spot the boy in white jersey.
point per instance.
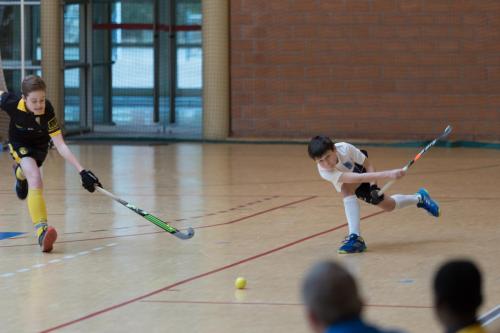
(353, 175)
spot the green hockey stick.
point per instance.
(151, 218)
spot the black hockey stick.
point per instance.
(151, 218)
(445, 133)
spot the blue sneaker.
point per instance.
(352, 244)
(426, 202)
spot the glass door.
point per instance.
(74, 65)
(123, 66)
(20, 41)
(146, 66)
(188, 55)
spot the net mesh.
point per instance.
(143, 58)
(148, 68)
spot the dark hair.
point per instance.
(319, 145)
(457, 286)
(32, 83)
(329, 292)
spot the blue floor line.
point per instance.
(6, 235)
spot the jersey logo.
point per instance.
(23, 150)
(53, 125)
(37, 119)
(24, 128)
(348, 165)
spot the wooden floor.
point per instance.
(260, 211)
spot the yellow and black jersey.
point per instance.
(25, 127)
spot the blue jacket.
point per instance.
(354, 326)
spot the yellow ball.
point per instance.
(240, 283)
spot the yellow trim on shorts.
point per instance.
(55, 133)
(14, 155)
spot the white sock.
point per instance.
(405, 200)
(351, 206)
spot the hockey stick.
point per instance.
(151, 218)
(445, 133)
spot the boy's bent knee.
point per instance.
(348, 189)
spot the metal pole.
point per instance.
(156, 62)
(23, 46)
(89, 65)
(172, 60)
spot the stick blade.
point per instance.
(184, 235)
(447, 131)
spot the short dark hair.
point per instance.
(457, 286)
(329, 292)
(319, 145)
(32, 83)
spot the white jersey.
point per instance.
(347, 155)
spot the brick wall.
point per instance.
(367, 69)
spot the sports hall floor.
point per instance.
(260, 211)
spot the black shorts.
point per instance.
(20, 150)
(363, 191)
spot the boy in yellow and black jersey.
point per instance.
(29, 134)
(32, 125)
(26, 127)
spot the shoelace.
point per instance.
(347, 239)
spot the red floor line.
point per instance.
(157, 232)
(256, 214)
(281, 304)
(196, 277)
(176, 220)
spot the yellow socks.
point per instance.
(37, 209)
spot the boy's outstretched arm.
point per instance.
(371, 177)
(369, 167)
(65, 152)
(89, 180)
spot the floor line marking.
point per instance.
(199, 276)
(280, 304)
(490, 316)
(8, 274)
(256, 214)
(161, 231)
(54, 261)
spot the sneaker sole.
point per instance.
(16, 186)
(346, 252)
(49, 239)
(18, 189)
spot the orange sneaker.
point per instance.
(47, 239)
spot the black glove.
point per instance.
(89, 180)
(376, 199)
